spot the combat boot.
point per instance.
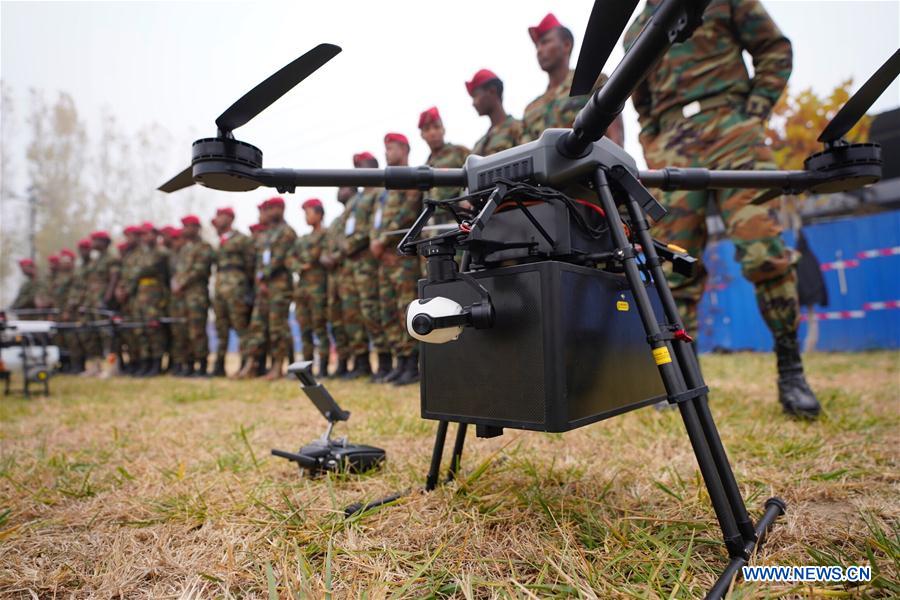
(794, 392)
(384, 367)
(92, 368)
(188, 370)
(361, 367)
(323, 367)
(247, 370)
(139, 367)
(176, 370)
(200, 371)
(275, 373)
(410, 374)
(342, 369)
(154, 369)
(219, 368)
(261, 366)
(396, 371)
(78, 366)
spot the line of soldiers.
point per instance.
(699, 107)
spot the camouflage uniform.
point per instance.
(726, 133)
(272, 305)
(128, 282)
(344, 310)
(149, 301)
(257, 342)
(311, 293)
(554, 108)
(450, 156)
(178, 338)
(69, 311)
(192, 277)
(504, 136)
(100, 272)
(396, 209)
(364, 266)
(233, 299)
(28, 292)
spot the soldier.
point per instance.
(70, 312)
(343, 305)
(178, 338)
(555, 108)
(126, 291)
(152, 271)
(257, 331)
(505, 132)
(274, 287)
(102, 278)
(700, 108)
(28, 291)
(443, 155)
(311, 293)
(397, 275)
(364, 272)
(191, 285)
(232, 302)
(62, 283)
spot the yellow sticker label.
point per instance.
(661, 355)
(622, 305)
(675, 248)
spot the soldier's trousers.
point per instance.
(365, 285)
(257, 342)
(178, 350)
(725, 139)
(150, 305)
(336, 316)
(273, 312)
(397, 285)
(92, 341)
(196, 313)
(311, 311)
(357, 341)
(231, 304)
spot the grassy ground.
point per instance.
(165, 488)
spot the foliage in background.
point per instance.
(798, 119)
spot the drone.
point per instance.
(25, 344)
(558, 312)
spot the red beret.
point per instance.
(312, 202)
(66, 252)
(147, 227)
(53, 259)
(84, 243)
(176, 232)
(262, 204)
(190, 220)
(396, 137)
(122, 246)
(257, 227)
(26, 262)
(479, 79)
(100, 235)
(131, 230)
(227, 210)
(361, 156)
(547, 23)
(429, 115)
(276, 201)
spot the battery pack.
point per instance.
(567, 348)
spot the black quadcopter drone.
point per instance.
(559, 312)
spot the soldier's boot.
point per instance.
(175, 369)
(78, 367)
(188, 370)
(794, 392)
(342, 369)
(323, 367)
(275, 373)
(261, 366)
(396, 371)
(154, 368)
(410, 374)
(219, 367)
(361, 367)
(92, 367)
(138, 367)
(200, 371)
(384, 367)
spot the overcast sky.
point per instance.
(180, 64)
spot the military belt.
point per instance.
(686, 111)
(145, 281)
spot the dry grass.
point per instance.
(165, 488)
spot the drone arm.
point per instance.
(672, 178)
(394, 178)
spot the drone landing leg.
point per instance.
(684, 385)
(456, 457)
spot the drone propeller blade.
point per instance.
(862, 100)
(179, 182)
(608, 19)
(767, 195)
(263, 95)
